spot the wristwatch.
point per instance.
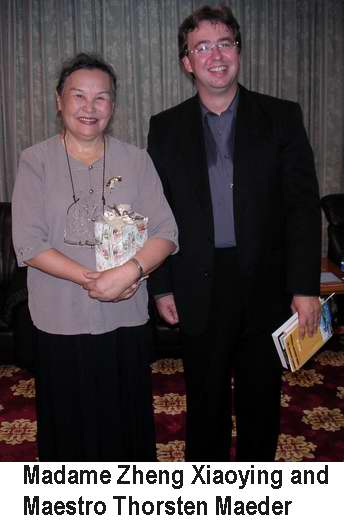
(139, 267)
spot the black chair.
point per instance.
(333, 207)
(16, 329)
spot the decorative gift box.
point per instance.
(119, 234)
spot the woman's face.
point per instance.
(86, 103)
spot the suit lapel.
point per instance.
(193, 152)
(251, 132)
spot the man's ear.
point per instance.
(187, 64)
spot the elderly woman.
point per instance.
(93, 389)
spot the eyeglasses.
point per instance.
(203, 49)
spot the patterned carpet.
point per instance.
(312, 401)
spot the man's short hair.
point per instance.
(220, 14)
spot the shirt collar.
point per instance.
(231, 108)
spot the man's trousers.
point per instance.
(231, 369)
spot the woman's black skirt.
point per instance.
(94, 397)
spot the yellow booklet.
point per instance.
(293, 351)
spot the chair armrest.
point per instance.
(16, 294)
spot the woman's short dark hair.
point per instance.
(86, 61)
(219, 14)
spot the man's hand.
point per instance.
(309, 310)
(167, 309)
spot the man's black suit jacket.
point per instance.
(276, 208)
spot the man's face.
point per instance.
(215, 72)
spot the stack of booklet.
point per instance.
(294, 351)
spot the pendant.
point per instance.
(113, 180)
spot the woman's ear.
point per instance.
(58, 102)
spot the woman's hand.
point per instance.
(122, 282)
(58, 265)
(114, 284)
(128, 293)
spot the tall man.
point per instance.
(238, 172)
